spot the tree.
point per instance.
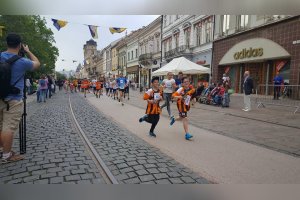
(39, 38)
(60, 76)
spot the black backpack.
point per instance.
(5, 77)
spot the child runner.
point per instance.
(122, 82)
(115, 87)
(153, 97)
(111, 87)
(183, 96)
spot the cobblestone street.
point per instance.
(56, 153)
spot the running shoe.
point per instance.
(142, 118)
(188, 136)
(172, 120)
(152, 134)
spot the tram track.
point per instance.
(100, 164)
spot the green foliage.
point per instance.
(60, 76)
(36, 35)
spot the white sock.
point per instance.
(6, 155)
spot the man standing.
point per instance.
(278, 81)
(248, 87)
(168, 86)
(11, 106)
(178, 80)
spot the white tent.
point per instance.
(183, 65)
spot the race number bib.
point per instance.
(187, 100)
(168, 84)
(156, 96)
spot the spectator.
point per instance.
(43, 85)
(168, 87)
(248, 87)
(277, 81)
(178, 80)
(49, 85)
(12, 105)
(28, 86)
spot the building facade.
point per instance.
(149, 49)
(188, 36)
(122, 56)
(132, 69)
(261, 44)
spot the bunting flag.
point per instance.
(93, 30)
(1, 30)
(116, 30)
(59, 23)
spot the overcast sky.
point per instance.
(71, 38)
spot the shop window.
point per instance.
(285, 72)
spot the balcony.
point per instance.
(183, 50)
(145, 59)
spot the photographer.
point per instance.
(11, 105)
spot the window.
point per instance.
(198, 35)
(145, 48)
(207, 31)
(165, 47)
(128, 55)
(177, 40)
(187, 33)
(165, 20)
(131, 55)
(170, 44)
(243, 21)
(225, 24)
(177, 17)
(170, 19)
(157, 45)
(136, 53)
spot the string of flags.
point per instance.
(92, 28)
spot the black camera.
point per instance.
(22, 51)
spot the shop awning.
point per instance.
(252, 50)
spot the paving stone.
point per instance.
(21, 175)
(39, 172)
(56, 169)
(48, 175)
(132, 181)
(87, 176)
(123, 165)
(41, 181)
(163, 181)
(73, 178)
(173, 174)
(56, 180)
(142, 172)
(146, 178)
(64, 173)
(176, 180)
(31, 178)
(78, 171)
(187, 179)
(138, 167)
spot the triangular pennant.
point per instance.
(93, 30)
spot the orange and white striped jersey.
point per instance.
(183, 104)
(153, 108)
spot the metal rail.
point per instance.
(104, 171)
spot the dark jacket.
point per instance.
(248, 86)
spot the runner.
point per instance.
(79, 85)
(75, 83)
(71, 87)
(66, 86)
(168, 86)
(107, 87)
(111, 88)
(94, 86)
(153, 97)
(85, 86)
(183, 96)
(122, 82)
(98, 88)
(115, 88)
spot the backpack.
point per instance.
(5, 77)
(43, 82)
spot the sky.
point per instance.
(71, 38)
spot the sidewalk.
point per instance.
(275, 128)
(213, 156)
